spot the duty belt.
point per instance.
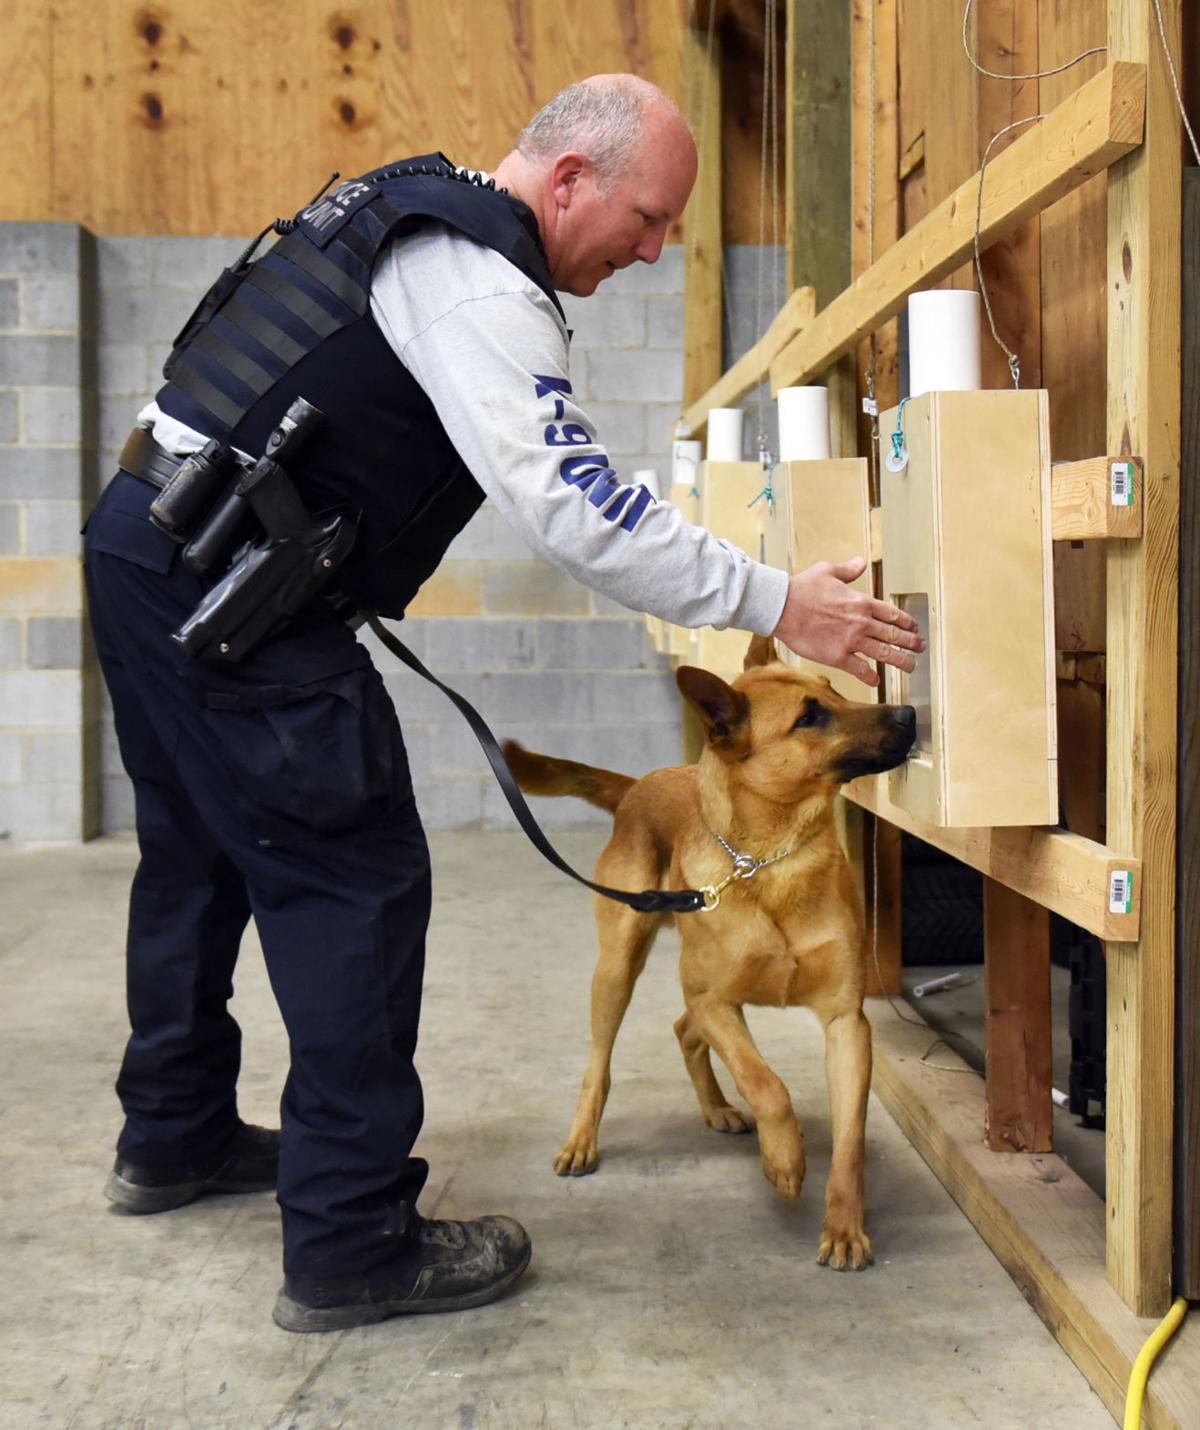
(142, 457)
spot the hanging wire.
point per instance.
(1014, 362)
(871, 402)
(763, 152)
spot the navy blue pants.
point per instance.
(276, 789)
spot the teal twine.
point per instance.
(695, 492)
(898, 434)
(767, 491)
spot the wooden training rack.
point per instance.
(1094, 1270)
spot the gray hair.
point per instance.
(601, 117)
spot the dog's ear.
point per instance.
(723, 710)
(760, 651)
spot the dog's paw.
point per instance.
(729, 1119)
(578, 1157)
(845, 1249)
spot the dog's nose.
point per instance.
(905, 716)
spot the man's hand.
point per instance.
(823, 620)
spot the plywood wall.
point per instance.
(210, 116)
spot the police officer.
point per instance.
(416, 308)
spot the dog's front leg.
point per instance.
(780, 1140)
(844, 1243)
(625, 939)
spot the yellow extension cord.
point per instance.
(1138, 1376)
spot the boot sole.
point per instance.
(145, 1201)
(292, 1315)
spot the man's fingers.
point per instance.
(893, 616)
(890, 655)
(860, 670)
(893, 635)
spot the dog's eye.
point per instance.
(814, 713)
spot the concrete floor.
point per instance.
(671, 1289)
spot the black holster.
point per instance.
(272, 578)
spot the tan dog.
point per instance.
(779, 744)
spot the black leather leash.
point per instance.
(651, 901)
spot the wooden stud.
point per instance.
(1087, 499)
(703, 359)
(1090, 130)
(1019, 1114)
(1143, 417)
(1066, 873)
(817, 147)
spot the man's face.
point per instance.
(598, 230)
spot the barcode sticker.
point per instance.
(1120, 891)
(870, 407)
(1122, 483)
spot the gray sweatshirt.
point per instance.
(491, 352)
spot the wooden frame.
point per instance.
(1124, 119)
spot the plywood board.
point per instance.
(967, 536)
(731, 508)
(831, 521)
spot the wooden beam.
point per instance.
(1043, 1223)
(1091, 129)
(1143, 584)
(703, 356)
(1065, 873)
(753, 366)
(1082, 494)
(1018, 1115)
(817, 147)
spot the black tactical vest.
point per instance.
(296, 323)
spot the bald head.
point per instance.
(606, 117)
(606, 166)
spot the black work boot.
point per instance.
(452, 1266)
(250, 1164)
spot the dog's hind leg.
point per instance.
(780, 1140)
(713, 1103)
(625, 940)
(844, 1243)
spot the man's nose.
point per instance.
(651, 246)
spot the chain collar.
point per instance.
(745, 866)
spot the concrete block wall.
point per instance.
(49, 688)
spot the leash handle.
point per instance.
(650, 901)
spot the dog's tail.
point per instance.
(542, 774)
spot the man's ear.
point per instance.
(760, 651)
(723, 710)
(565, 173)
